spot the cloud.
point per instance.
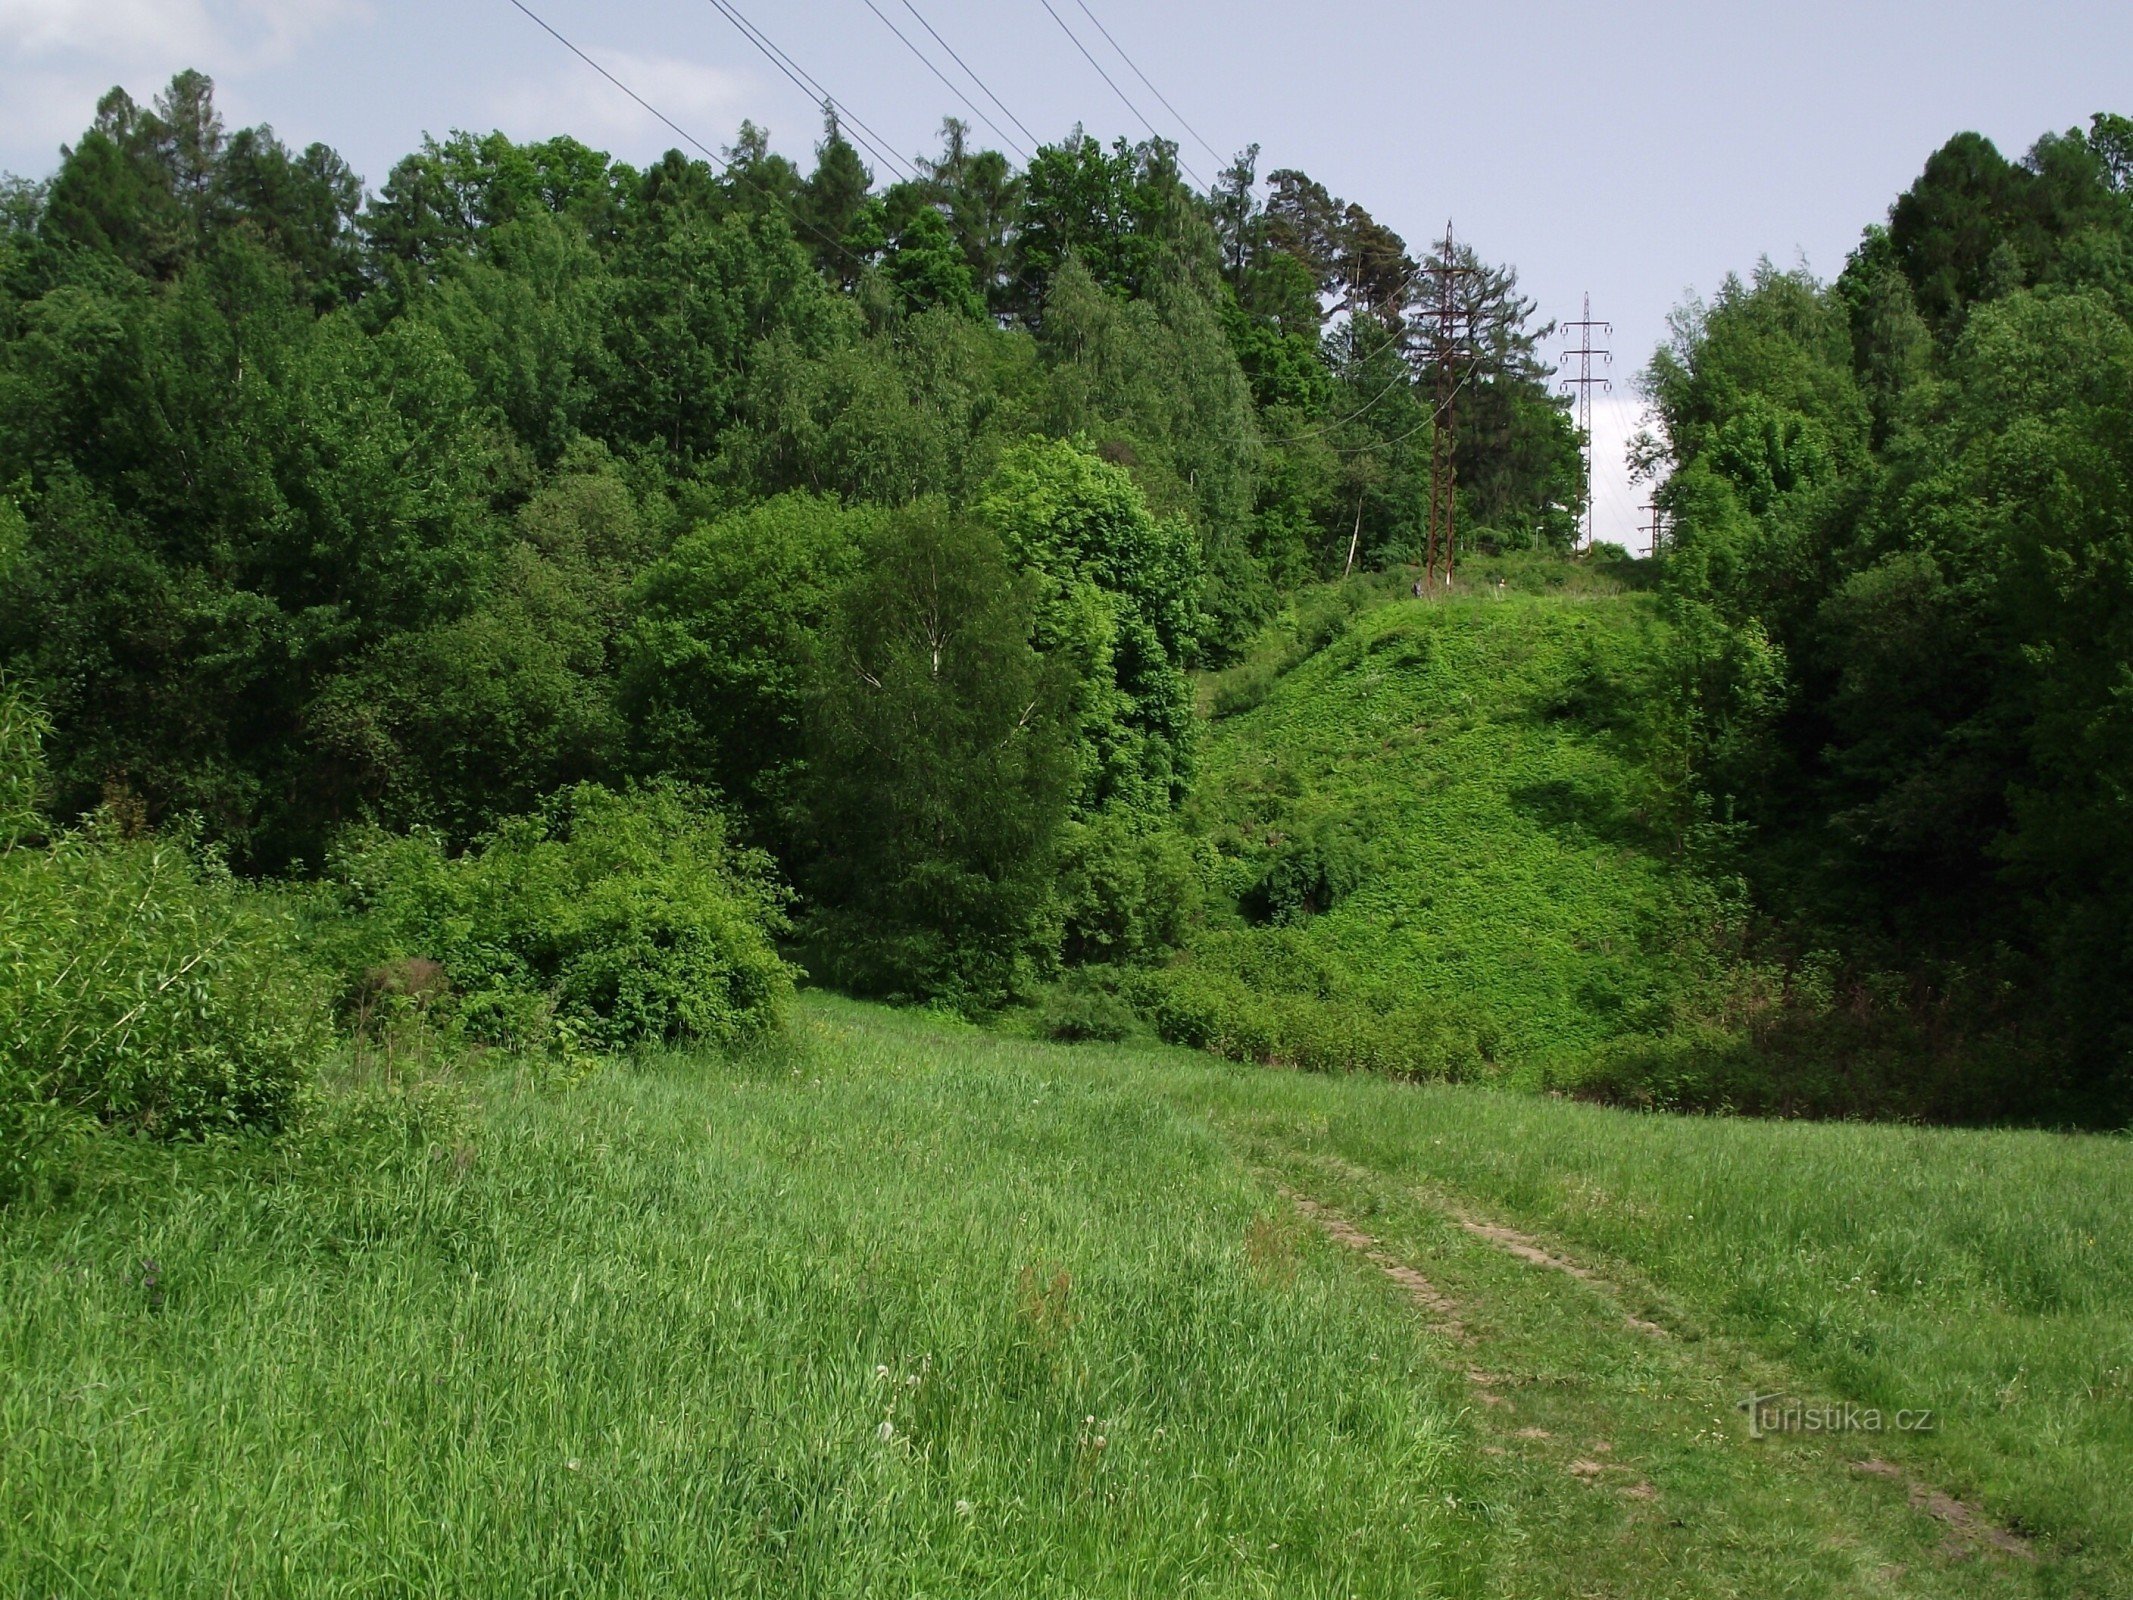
(59, 56)
(706, 100)
(42, 29)
(233, 34)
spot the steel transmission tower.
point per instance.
(1584, 383)
(1655, 530)
(1451, 342)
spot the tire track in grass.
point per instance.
(1590, 1368)
(1969, 1530)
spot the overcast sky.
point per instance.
(1638, 151)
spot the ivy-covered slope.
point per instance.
(1454, 818)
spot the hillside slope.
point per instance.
(1446, 816)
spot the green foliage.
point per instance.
(713, 672)
(22, 777)
(142, 988)
(1451, 814)
(979, 1244)
(1086, 1005)
(1154, 380)
(922, 406)
(1116, 590)
(1270, 1000)
(941, 766)
(1310, 875)
(177, 621)
(1122, 213)
(927, 268)
(1898, 568)
(1313, 619)
(607, 920)
(322, 511)
(1125, 893)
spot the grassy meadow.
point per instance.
(909, 1308)
(903, 1312)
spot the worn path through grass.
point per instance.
(1615, 1285)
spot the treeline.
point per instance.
(323, 507)
(1900, 549)
(537, 523)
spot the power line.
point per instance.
(953, 88)
(1152, 89)
(1396, 338)
(974, 78)
(881, 149)
(1341, 422)
(778, 201)
(1115, 89)
(738, 174)
(676, 128)
(1404, 435)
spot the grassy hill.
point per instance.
(909, 1308)
(1459, 826)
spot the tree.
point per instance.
(832, 202)
(1120, 212)
(941, 767)
(712, 671)
(1117, 590)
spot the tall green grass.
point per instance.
(1987, 1276)
(901, 1311)
(909, 1308)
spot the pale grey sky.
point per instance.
(1638, 150)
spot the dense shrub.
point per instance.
(1870, 1045)
(609, 920)
(1124, 894)
(1086, 1005)
(1266, 999)
(139, 985)
(1310, 874)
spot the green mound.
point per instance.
(1448, 824)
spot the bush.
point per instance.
(1266, 999)
(1124, 895)
(1085, 1005)
(141, 987)
(22, 730)
(1309, 875)
(606, 920)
